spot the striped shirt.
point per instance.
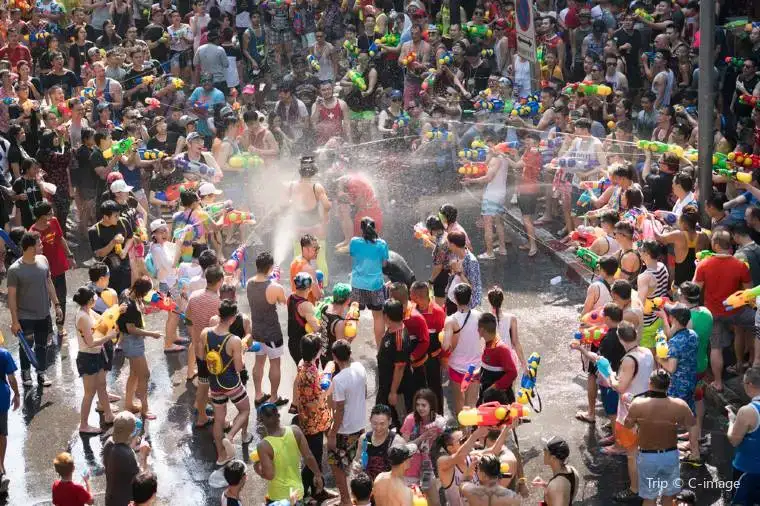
(661, 289)
(201, 306)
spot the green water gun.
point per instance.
(389, 39)
(736, 175)
(643, 15)
(445, 14)
(119, 148)
(588, 257)
(351, 48)
(705, 253)
(478, 31)
(739, 23)
(720, 160)
(357, 79)
(540, 55)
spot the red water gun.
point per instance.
(165, 303)
(592, 335)
(584, 237)
(153, 103)
(492, 414)
(749, 100)
(237, 218)
(172, 192)
(593, 318)
(236, 259)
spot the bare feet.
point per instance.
(89, 429)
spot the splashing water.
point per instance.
(283, 238)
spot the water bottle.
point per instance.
(427, 474)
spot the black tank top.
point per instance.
(296, 322)
(237, 326)
(377, 456)
(572, 477)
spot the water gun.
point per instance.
(477, 169)
(478, 31)
(736, 175)
(528, 380)
(10, 100)
(643, 15)
(402, 121)
(198, 104)
(176, 82)
(661, 345)
(660, 147)
(439, 133)
(746, 160)
(145, 79)
(119, 148)
(446, 59)
(748, 27)
(491, 414)
(237, 258)
(602, 184)
(540, 54)
(587, 88)
(741, 298)
(593, 318)
(165, 303)
(151, 154)
(326, 380)
(251, 345)
(588, 257)
(655, 303)
(389, 39)
(469, 376)
(189, 232)
(733, 61)
(237, 218)
(604, 367)
(692, 155)
(592, 335)
(357, 79)
(428, 83)
(351, 48)
(373, 49)
(276, 274)
(106, 322)
(704, 254)
(749, 100)
(36, 37)
(720, 160)
(666, 216)
(478, 155)
(320, 278)
(409, 58)
(173, 192)
(507, 147)
(352, 320)
(486, 53)
(418, 496)
(245, 160)
(194, 167)
(584, 235)
(313, 62)
(585, 199)
(153, 103)
(689, 108)
(89, 93)
(528, 109)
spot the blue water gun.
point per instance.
(477, 155)
(604, 367)
(528, 382)
(326, 380)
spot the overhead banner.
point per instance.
(526, 31)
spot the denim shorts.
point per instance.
(133, 346)
(659, 474)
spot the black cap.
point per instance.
(400, 454)
(680, 312)
(558, 448)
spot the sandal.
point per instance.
(148, 416)
(280, 401)
(691, 460)
(261, 400)
(175, 348)
(583, 417)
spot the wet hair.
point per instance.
(740, 228)
(621, 288)
(752, 376)
(394, 310)
(690, 216)
(716, 201)
(87, 133)
(141, 287)
(691, 291)
(496, 298)
(361, 487)
(487, 322)
(83, 296)
(227, 308)
(624, 227)
(613, 312)
(29, 240)
(368, 229)
(722, 239)
(626, 332)
(634, 197)
(457, 239)
(308, 240)
(145, 485)
(109, 208)
(42, 208)
(687, 496)
(308, 168)
(264, 261)
(310, 346)
(214, 274)
(381, 409)
(341, 350)
(234, 471)
(421, 286)
(609, 265)
(651, 248)
(188, 198)
(64, 464)
(490, 466)
(449, 212)
(429, 396)
(611, 217)
(660, 380)
(207, 259)
(625, 171)
(228, 291)
(462, 294)
(399, 291)
(97, 271)
(495, 395)
(27, 164)
(434, 224)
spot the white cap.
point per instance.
(119, 186)
(208, 189)
(156, 224)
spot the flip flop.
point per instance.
(174, 349)
(533, 253)
(261, 400)
(93, 431)
(583, 417)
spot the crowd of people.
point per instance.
(123, 122)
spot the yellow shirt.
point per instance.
(287, 466)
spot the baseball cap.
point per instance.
(208, 189)
(400, 454)
(120, 186)
(186, 119)
(113, 176)
(557, 447)
(102, 106)
(302, 280)
(157, 224)
(396, 94)
(679, 311)
(206, 77)
(194, 136)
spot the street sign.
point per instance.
(526, 31)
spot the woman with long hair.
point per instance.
(368, 255)
(422, 427)
(55, 155)
(133, 344)
(165, 256)
(91, 360)
(506, 326)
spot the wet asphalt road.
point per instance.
(183, 458)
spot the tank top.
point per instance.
(572, 477)
(83, 347)
(325, 72)
(328, 330)
(684, 271)
(330, 122)
(604, 294)
(640, 382)
(747, 456)
(377, 455)
(522, 77)
(468, 351)
(504, 328)
(631, 276)
(264, 321)
(238, 327)
(296, 322)
(229, 378)
(496, 189)
(287, 466)
(453, 496)
(661, 289)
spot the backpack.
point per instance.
(214, 358)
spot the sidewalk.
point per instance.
(577, 272)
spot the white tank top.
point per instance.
(640, 382)
(468, 351)
(496, 189)
(604, 295)
(505, 328)
(522, 77)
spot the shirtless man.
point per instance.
(658, 419)
(390, 488)
(561, 488)
(488, 492)
(309, 209)
(302, 263)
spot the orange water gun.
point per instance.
(592, 335)
(409, 58)
(352, 320)
(655, 303)
(492, 414)
(165, 303)
(593, 318)
(237, 218)
(421, 232)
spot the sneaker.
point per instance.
(26, 378)
(43, 380)
(486, 256)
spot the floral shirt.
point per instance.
(314, 415)
(47, 8)
(683, 345)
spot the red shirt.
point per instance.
(68, 493)
(435, 318)
(52, 247)
(497, 359)
(531, 168)
(418, 332)
(16, 54)
(360, 192)
(721, 276)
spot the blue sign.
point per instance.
(523, 14)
